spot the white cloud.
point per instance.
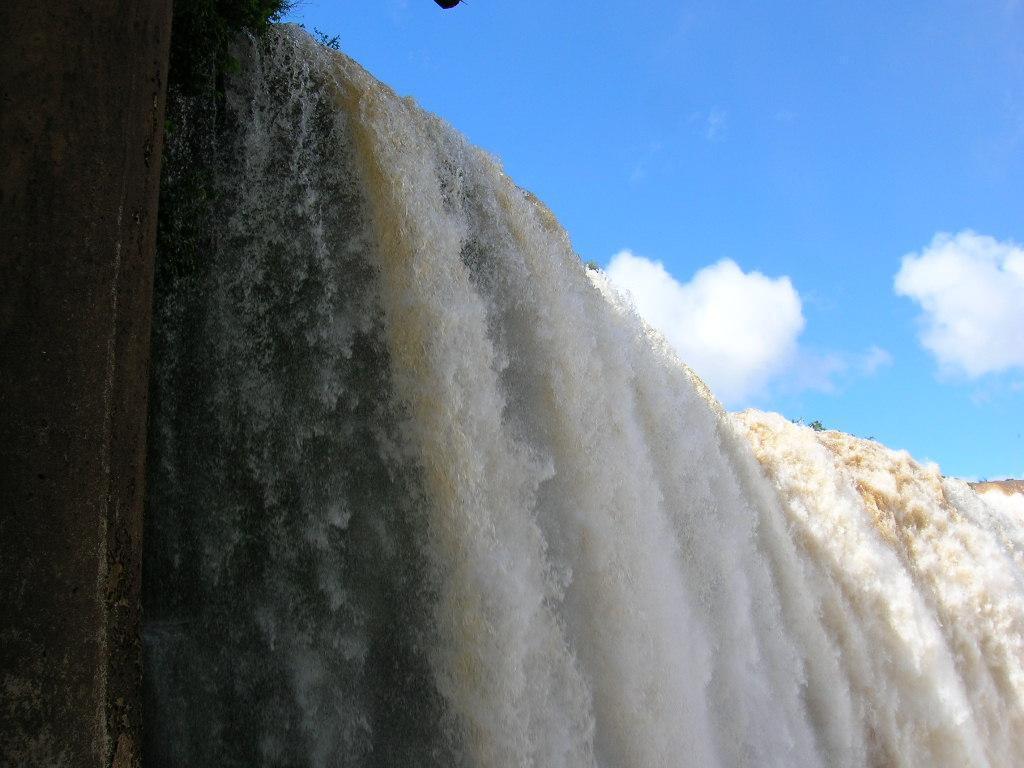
(736, 329)
(872, 359)
(971, 291)
(712, 124)
(820, 371)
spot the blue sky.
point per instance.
(786, 156)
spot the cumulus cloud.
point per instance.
(970, 288)
(737, 329)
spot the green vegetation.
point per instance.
(816, 425)
(328, 41)
(201, 35)
(594, 266)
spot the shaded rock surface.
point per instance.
(81, 124)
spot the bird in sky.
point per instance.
(446, 4)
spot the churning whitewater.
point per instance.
(424, 491)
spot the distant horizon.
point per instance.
(820, 207)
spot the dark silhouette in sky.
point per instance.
(446, 4)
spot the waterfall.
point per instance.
(425, 491)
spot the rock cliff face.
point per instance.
(81, 124)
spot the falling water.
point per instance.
(426, 492)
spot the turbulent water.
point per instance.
(426, 492)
